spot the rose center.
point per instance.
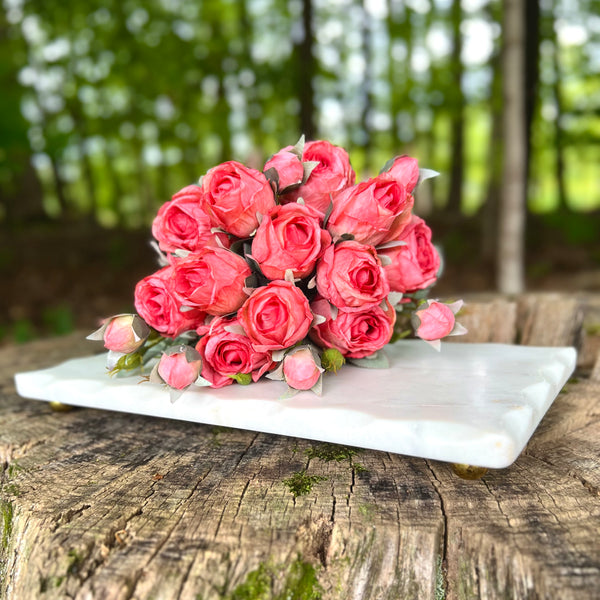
(183, 225)
(297, 234)
(271, 316)
(365, 277)
(192, 279)
(232, 357)
(365, 329)
(388, 197)
(226, 185)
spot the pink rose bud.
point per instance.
(332, 174)
(179, 367)
(405, 170)
(275, 316)
(125, 334)
(290, 237)
(156, 303)
(211, 280)
(374, 211)
(288, 167)
(350, 276)
(182, 224)
(300, 369)
(436, 320)
(414, 265)
(354, 334)
(234, 196)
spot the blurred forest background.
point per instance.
(110, 106)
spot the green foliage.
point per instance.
(6, 507)
(332, 452)
(123, 103)
(58, 320)
(440, 584)
(301, 484)
(23, 331)
(300, 583)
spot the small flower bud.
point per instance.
(300, 369)
(122, 333)
(332, 360)
(179, 367)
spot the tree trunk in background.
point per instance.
(454, 202)
(88, 177)
(559, 137)
(20, 187)
(367, 36)
(399, 26)
(512, 208)
(305, 61)
(59, 186)
(489, 212)
(246, 25)
(22, 198)
(393, 82)
(117, 192)
(531, 14)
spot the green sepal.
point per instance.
(127, 362)
(242, 378)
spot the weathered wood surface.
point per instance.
(112, 506)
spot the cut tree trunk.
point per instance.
(114, 506)
(511, 278)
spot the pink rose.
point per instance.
(276, 316)
(288, 167)
(435, 321)
(415, 265)
(374, 211)
(332, 174)
(227, 352)
(211, 280)
(354, 334)
(182, 224)
(122, 333)
(300, 369)
(156, 303)
(179, 367)
(290, 237)
(405, 170)
(234, 194)
(350, 276)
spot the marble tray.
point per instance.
(471, 403)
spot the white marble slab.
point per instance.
(471, 403)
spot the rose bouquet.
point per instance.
(289, 273)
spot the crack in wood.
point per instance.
(436, 483)
(66, 517)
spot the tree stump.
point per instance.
(114, 506)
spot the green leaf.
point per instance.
(379, 360)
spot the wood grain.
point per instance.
(114, 506)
